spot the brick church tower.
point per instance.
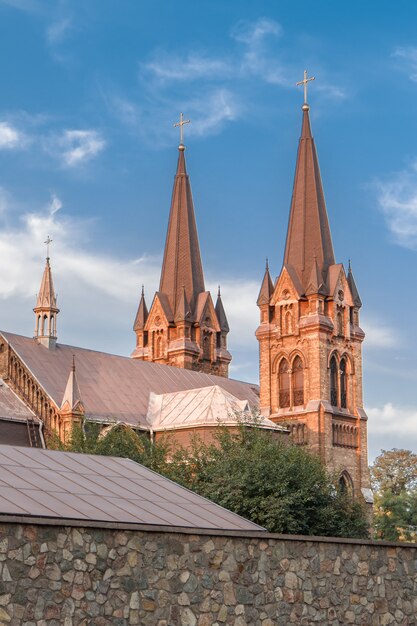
(309, 335)
(183, 327)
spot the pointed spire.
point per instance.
(221, 315)
(316, 284)
(71, 402)
(182, 261)
(46, 297)
(46, 309)
(182, 312)
(308, 229)
(267, 287)
(353, 289)
(142, 314)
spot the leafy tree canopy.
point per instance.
(395, 471)
(250, 471)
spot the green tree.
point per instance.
(394, 480)
(280, 486)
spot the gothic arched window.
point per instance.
(343, 385)
(298, 381)
(158, 346)
(284, 384)
(333, 381)
(345, 483)
(207, 346)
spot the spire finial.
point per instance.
(218, 292)
(181, 125)
(73, 362)
(304, 82)
(48, 242)
(350, 267)
(143, 290)
(267, 265)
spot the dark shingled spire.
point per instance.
(142, 314)
(221, 315)
(308, 229)
(353, 289)
(267, 288)
(182, 261)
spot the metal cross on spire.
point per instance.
(181, 124)
(48, 243)
(304, 82)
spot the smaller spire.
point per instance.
(220, 312)
(267, 287)
(46, 309)
(142, 313)
(353, 289)
(71, 402)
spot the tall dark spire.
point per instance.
(267, 288)
(182, 261)
(142, 314)
(308, 234)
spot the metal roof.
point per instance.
(114, 387)
(12, 407)
(65, 485)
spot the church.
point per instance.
(176, 380)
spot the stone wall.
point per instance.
(61, 575)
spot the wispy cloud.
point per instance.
(397, 199)
(75, 147)
(379, 334)
(386, 419)
(10, 137)
(408, 57)
(193, 66)
(58, 30)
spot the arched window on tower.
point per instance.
(158, 349)
(343, 385)
(44, 325)
(298, 381)
(333, 381)
(207, 345)
(345, 483)
(284, 384)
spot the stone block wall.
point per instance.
(66, 575)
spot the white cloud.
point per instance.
(77, 146)
(251, 33)
(391, 419)
(397, 199)
(379, 334)
(211, 112)
(173, 68)
(10, 137)
(408, 55)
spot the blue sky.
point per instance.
(90, 91)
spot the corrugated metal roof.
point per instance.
(209, 406)
(114, 387)
(65, 485)
(12, 407)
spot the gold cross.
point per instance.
(48, 242)
(181, 123)
(304, 82)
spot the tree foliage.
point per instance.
(394, 480)
(280, 486)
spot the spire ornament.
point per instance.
(181, 125)
(305, 82)
(48, 242)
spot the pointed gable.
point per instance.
(182, 261)
(316, 283)
(308, 229)
(353, 289)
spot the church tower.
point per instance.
(183, 328)
(46, 310)
(309, 335)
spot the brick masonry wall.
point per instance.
(61, 575)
